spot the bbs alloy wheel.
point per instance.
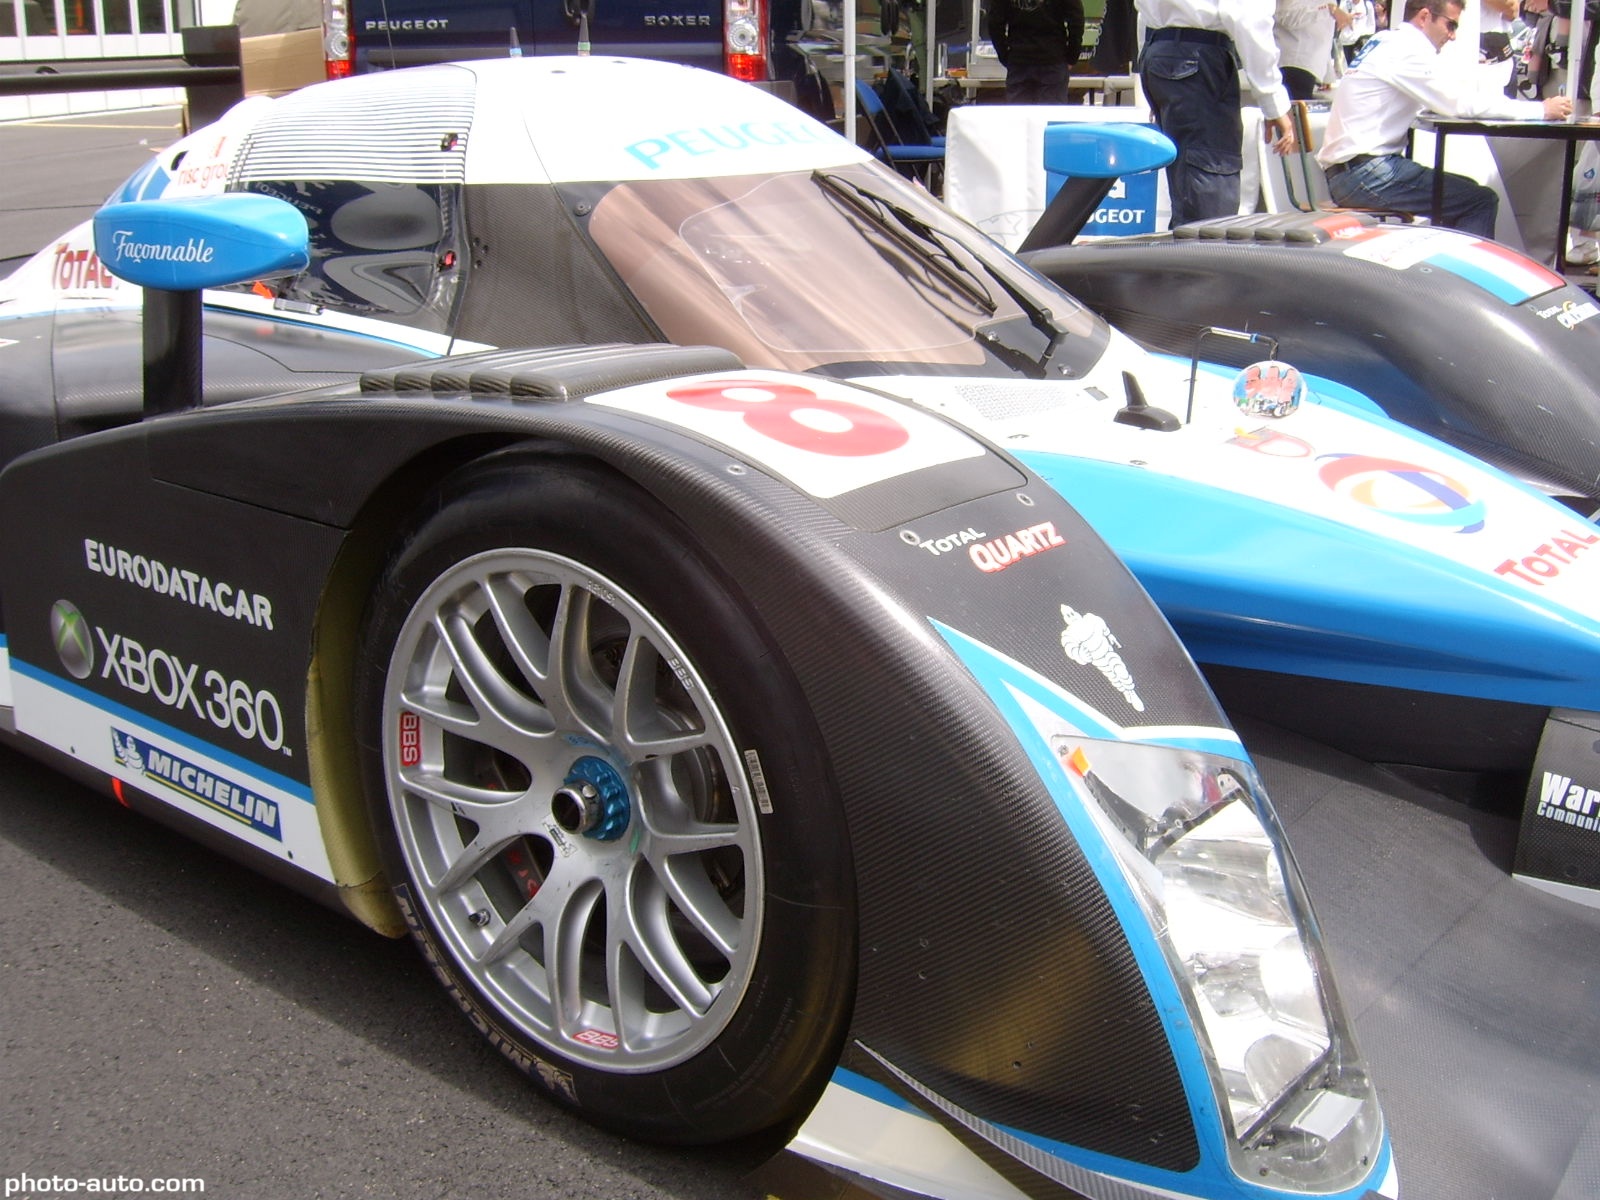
(565, 704)
(572, 810)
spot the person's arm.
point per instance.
(999, 31)
(1416, 74)
(1249, 23)
(1506, 8)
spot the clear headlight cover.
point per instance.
(1201, 849)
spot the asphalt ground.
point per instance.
(55, 171)
(165, 1014)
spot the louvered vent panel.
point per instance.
(391, 127)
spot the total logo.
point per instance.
(1569, 314)
(1402, 490)
(1548, 557)
(80, 267)
(228, 704)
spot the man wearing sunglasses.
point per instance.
(1396, 77)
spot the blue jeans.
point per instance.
(1194, 94)
(1394, 181)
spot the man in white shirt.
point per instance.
(1193, 52)
(1304, 32)
(1394, 78)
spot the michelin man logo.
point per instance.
(1088, 641)
(126, 751)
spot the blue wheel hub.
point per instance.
(592, 801)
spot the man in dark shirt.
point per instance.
(1037, 41)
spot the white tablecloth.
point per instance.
(994, 162)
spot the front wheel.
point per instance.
(620, 847)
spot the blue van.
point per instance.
(748, 39)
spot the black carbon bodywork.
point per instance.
(89, 361)
(993, 969)
(1512, 384)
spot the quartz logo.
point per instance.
(73, 638)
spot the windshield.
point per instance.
(844, 271)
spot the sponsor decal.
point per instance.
(1548, 557)
(1129, 207)
(73, 638)
(229, 704)
(79, 268)
(408, 25)
(1569, 314)
(125, 249)
(942, 545)
(1270, 441)
(997, 554)
(1498, 270)
(826, 438)
(1569, 803)
(202, 175)
(189, 586)
(654, 152)
(1402, 490)
(598, 1038)
(553, 1078)
(1088, 641)
(410, 739)
(196, 783)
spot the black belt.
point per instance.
(1355, 160)
(1174, 33)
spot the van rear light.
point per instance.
(338, 46)
(744, 40)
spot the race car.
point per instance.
(511, 259)
(450, 214)
(621, 676)
(1493, 354)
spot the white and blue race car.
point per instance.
(623, 544)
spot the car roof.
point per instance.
(520, 120)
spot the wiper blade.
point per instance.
(912, 232)
(929, 244)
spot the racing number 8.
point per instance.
(770, 409)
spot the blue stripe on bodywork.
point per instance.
(243, 766)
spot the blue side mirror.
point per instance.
(1090, 150)
(196, 242)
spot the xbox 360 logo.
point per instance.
(74, 638)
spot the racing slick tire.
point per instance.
(604, 807)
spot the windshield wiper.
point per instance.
(912, 232)
(930, 245)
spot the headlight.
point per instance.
(1200, 847)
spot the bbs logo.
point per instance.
(229, 704)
